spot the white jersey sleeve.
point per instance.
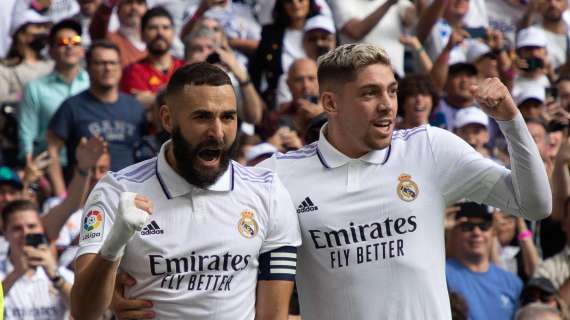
(464, 173)
(99, 214)
(284, 225)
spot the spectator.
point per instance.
(539, 290)
(101, 111)
(281, 43)
(491, 292)
(24, 61)
(532, 62)
(563, 88)
(472, 125)
(128, 37)
(144, 78)
(87, 9)
(33, 283)
(506, 16)
(555, 31)
(319, 37)
(201, 46)
(556, 268)
(377, 22)
(42, 97)
(538, 311)
(531, 102)
(236, 19)
(416, 99)
(8, 7)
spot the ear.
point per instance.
(329, 102)
(166, 117)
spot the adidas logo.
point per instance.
(307, 206)
(151, 228)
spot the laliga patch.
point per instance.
(92, 225)
(407, 189)
(247, 226)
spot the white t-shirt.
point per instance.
(504, 16)
(264, 10)
(33, 298)
(292, 48)
(521, 83)
(477, 14)
(556, 47)
(385, 34)
(372, 228)
(198, 256)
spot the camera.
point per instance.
(213, 58)
(36, 239)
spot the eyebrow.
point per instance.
(376, 86)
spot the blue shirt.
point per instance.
(121, 124)
(492, 294)
(42, 98)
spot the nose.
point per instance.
(216, 129)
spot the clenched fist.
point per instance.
(494, 99)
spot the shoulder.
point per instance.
(135, 66)
(307, 151)
(509, 279)
(252, 174)
(130, 100)
(136, 173)
(405, 134)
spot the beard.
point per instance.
(187, 161)
(156, 49)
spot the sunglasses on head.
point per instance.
(470, 226)
(69, 41)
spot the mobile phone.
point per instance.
(551, 92)
(534, 64)
(36, 239)
(312, 99)
(477, 32)
(213, 58)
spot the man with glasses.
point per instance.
(490, 292)
(99, 111)
(42, 97)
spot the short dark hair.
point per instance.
(197, 74)
(100, 44)
(280, 17)
(14, 207)
(63, 24)
(153, 13)
(414, 84)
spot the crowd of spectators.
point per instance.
(81, 86)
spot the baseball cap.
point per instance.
(473, 210)
(28, 17)
(9, 176)
(476, 50)
(531, 37)
(262, 149)
(320, 22)
(470, 115)
(531, 92)
(542, 284)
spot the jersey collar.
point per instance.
(332, 158)
(175, 185)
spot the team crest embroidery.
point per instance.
(407, 189)
(247, 226)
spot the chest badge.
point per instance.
(407, 189)
(247, 226)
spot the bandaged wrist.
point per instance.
(130, 219)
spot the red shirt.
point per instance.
(143, 76)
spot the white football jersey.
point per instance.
(198, 256)
(372, 228)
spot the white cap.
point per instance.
(476, 50)
(320, 22)
(531, 37)
(530, 92)
(469, 115)
(28, 17)
(259, 150)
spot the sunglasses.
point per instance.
(470, 226)
(74, 41)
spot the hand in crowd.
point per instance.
(495, 99)
(308, 109)
(411, 41)
(555, 113)
(89, 151)
(35, 167)
(563, 155)
(124, 308)
(495, 39)
(228, 59)
(285, 139)
(450, 213)
(456, 38)
(41, 256)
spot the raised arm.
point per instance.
(429, 17)
(359, 28)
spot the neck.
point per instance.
(554, 26)
(107, 95)
(67, 73)
(163, 61)
(29, 55)
(475, 263)
(337, 139)
(170, 158)
(297, 23)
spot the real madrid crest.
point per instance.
(407, 189)
(247, 226)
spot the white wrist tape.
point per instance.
(129, 220)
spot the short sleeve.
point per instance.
(61, 122)
(342, 12)
(28, 122)
(99, 214)
(461, 171)
(132, 81)
(283, 223)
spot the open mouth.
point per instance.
(420, 109)
(210, 156)
(383, 123)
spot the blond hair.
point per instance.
(342, 63)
